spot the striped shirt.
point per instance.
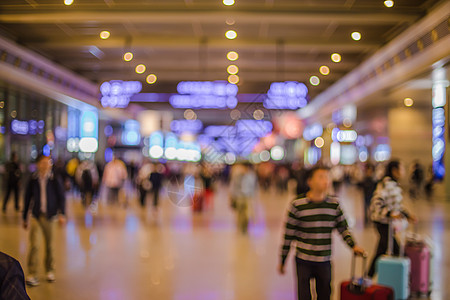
(310, 225)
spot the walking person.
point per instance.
(87, 179)
(114, 176)
(368, 186)
(13, 175)
(386, 204)
(143, 181)
(310, 222)
(156, 179)
(45, 196)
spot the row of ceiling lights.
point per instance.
(232, 69)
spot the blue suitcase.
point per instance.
(394, 271)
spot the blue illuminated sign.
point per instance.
(31, 127)
(130, 133)
(181, 126)
(205, 94)
(438, 148)
(89, 132)
(117, 93)
(312, 131)
(286, 95)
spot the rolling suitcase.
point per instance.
(394, 271)
(419, 252)
(358, 289)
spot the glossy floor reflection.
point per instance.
(133, 254)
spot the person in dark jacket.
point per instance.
(45, 195)
(13, 175)
(156, 178)
(368, 186)
(12, 283)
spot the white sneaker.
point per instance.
(32, 280)
(51, 277)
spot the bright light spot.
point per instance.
(408, 102)
(104, 34)
(88, 145)
(170, 153)
(314, 80)
(277, 153)
(230, 158)
(258, 114)
(189, 114)
(232, 55)
(336, 57)
(68, 2)
(324, 70)
(228, 2)
(264, 156)
(234, 79)
(73, 145)
(13, 114)
(235, 114)
(363, 156)
(231, 34)
(156, 152)
(388, 3)
(151, 79)
(232, 69)
(356, 36)
(347, 122)
(140, 68)
(230, 21)
(335, 153)
(319, 142)
(128, 56)
(346, 136)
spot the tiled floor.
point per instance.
(125, 254)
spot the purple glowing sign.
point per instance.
(191, 126)
(205, 94)
(286, 95)
(117, 93)
(31, 127)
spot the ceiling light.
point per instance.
(231, 34)
(234, 79)
(140, 69)
(68, 2)
(189, 114)
(408, 102)
(235, 114)
(232, 55)
(324, 70)
(319, 142)
(356, 36)
(258, 114)
(232, 69)
(388, 3)
(128, 56)
(336, 57)
(151, 79)
(104, 34)
(228, 2)
(230, 21)
(314, 80)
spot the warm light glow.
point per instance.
(230, 21)
(356, 36)
(228, 2)
(189, 114)
(68, 2)
(324, 70)
(104, 34)
(234, 79)
(347, 122)
(408, 102)
(231, 34)
(319, 142)
(388, 3)
(336, 57)
(258, 114)
(151, 79)
(314, 80)
(232, 55)
(232, 69)
(140, 69)
(235, 114)
(128, 56)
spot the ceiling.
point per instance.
(182, 40)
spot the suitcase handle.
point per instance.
(354, 285)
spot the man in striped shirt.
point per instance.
(310, 223)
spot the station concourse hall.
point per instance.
(224, 149)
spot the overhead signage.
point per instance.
(31, 127)
(117, 93)
(186, 126)
(89, 132)
(286, 95)
(205, 94)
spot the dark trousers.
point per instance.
(383, 231)
(321, 272)
(142, 195)
(11, 187)
(155, 197)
